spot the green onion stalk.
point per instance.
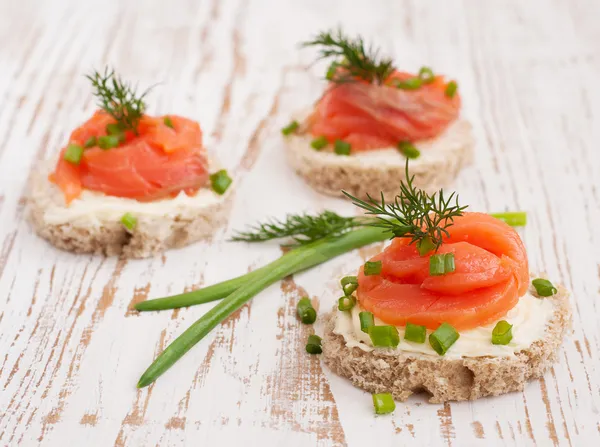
(236, 292)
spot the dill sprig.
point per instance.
(352, 59)
(302, 228)
(414, 214)
(118, 99)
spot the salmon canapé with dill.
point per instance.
(128, 182)
(448, 307)
(371, 117)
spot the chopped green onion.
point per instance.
(366, 321)
(502, 333)
(372, 268)
(319, 143)
(90, 142)
(73, 154)
(425, 246)
(443, 338)
(341, 147)
(426, 75)
(409, 84)
(436, 265)
(349, 284)
(449, 265)
(237, 291)
(349, 280)
(331, 71)
(441, 264)
(346, 303)
(408, 149)
(306, 311)
(290, 128)
(415, 332)
(349, 289)
(220, 181)
(514, 219)
(313, 344)
(383, 403)
(108, 141)
(384, 336)
(451, 89)
(168, 122)
(129, 221)
(543, 287)
(113, 129)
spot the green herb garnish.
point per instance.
(73, 154)
(441, 264)
(383, 403)
(372, 268)
(319, 143)
(349, 284)
(366, 321)
(290, 128)
(352, 58)
(443, 338)
(342, 148)
(414, 214)
(220, 181)
(543, 287)
(346, 303)
(168, 122)
(90, 142)
(514, 218)
(451, 89)
(415, 333)
(313, 344)
(306, 312)
(302, 228)
(119, 99)
(502, 333)
(384, 336)
(408, 149)
(129, 221)
(108, 141)
(426, 75)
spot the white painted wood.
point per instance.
(71, 352)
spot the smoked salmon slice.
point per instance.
(159, 161)
(491, 274)
(371, 116)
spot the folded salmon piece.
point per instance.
(491, 273)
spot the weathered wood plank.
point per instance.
(71, 349)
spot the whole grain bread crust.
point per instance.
(383, 370)
(150, 237)
(440, 162)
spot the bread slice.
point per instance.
(382, 170)
(92, 223)
(445, 379)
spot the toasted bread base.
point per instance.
(403, 374)
(151, 236)
(382, 170)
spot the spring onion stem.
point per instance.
(294, 261)
(333, 247)
(513, 218)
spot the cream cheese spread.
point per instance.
(529, 319)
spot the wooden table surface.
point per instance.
(71, 349)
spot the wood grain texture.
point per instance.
(71, 349)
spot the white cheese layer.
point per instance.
(94, 208)
(529, 319)
(439, 149)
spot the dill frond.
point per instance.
(352, 58)
(118, 98)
